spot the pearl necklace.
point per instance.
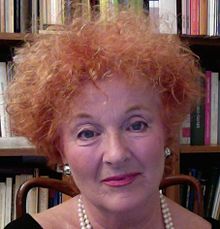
(167, 219)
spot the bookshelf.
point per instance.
(185, 149)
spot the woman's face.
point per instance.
(114, 143)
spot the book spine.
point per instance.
(17, 16)
(198, 122)
(211, 15)
(203, 17)
(185, 131)
(218, 134)
(183, 10)
(5, 129)
(168, 16)
(188, 15)
(211, 189)
(216, 202)
(8, 200)
(25, 16)
(214, 107)
(2, 204)
(2, 17)
(207, 107)
(194, 19)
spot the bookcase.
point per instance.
(206, 47)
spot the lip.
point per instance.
(120, 180)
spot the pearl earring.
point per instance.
(167, 152)
(66, 170)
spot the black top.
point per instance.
(28, 222)
(25, 222)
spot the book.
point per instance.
(216, 202)
(2, 204)
(9, 16)
(8, 200)
(32, 198)
(2, 15)
(17, 23)
(214, 108)
(198, 122)
(218, 134)
(168, 16)
(213, 178)
(5, 128)
(188, 15)
(207, 107)
(25, 16)
(203, 17)
(183, 13)
(43, 198)
(211, 17)
(194, 18)
(185, 131)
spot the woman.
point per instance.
(107, 98)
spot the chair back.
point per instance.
(71, 190)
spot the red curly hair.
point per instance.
(52, 68)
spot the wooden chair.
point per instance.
(71, 190)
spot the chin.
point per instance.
(122, 202)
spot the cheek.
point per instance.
(80, 159)
(150, 151)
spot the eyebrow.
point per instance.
(137, 107)
(83, 116)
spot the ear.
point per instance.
(60, 148)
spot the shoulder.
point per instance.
(183, 218)
(61, 216)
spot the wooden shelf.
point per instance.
(201, 40)
(200, 149)
(9, 40)
(14, 146)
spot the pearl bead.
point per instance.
(167, 219)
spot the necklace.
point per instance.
(167, 219)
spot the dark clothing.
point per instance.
(25, 222)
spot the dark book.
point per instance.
(198, 122)
(25, 16)
(17, 28)
(211, 189)
(146, 5)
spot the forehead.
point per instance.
(115, 89)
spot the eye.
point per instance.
(87, 134)
(137, 126)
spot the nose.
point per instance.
(115, 149)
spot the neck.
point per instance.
(144, 216)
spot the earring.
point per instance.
(167, 152)
(66, 170)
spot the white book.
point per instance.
(2, 204)
(43, 198)
(168, 16)
(5, 129)
(32, 199)
(183, 16)
(9, 16)
(8, 200)
(214, 108)
(216, 203)
(211, 17)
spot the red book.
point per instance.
(194, 19)
(207, 107)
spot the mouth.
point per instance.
(120, 180)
